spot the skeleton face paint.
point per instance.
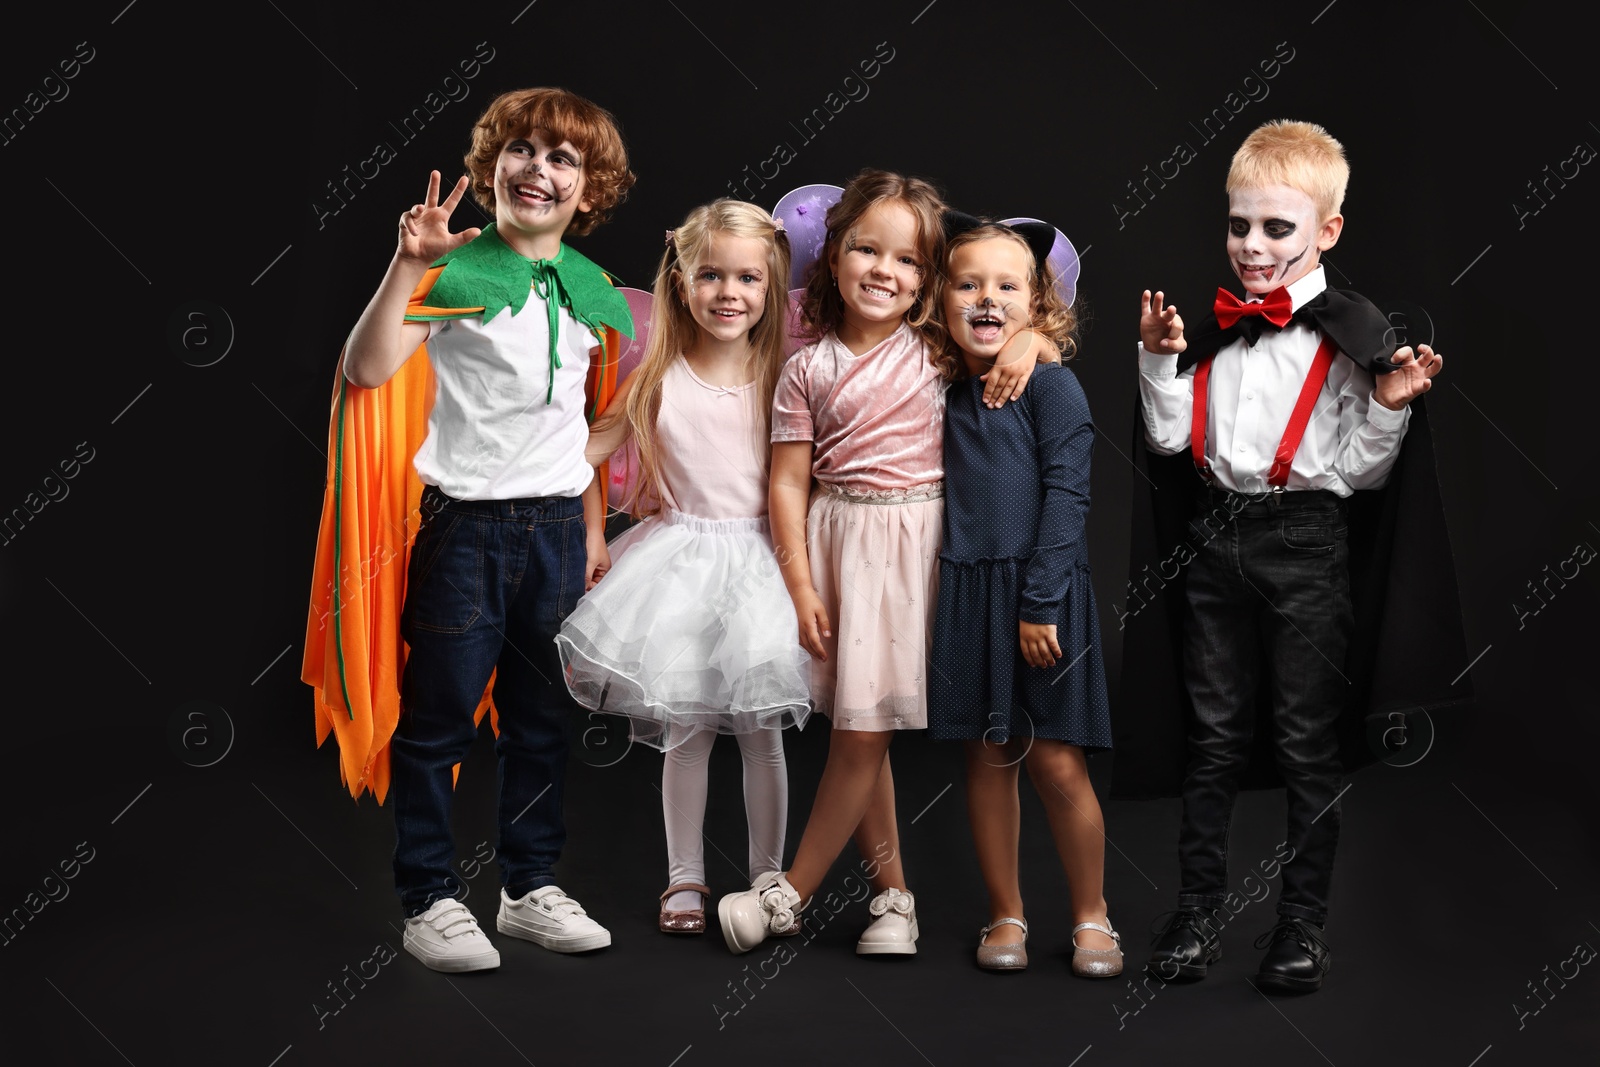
(988, 299)
(539, 186)
(1273, 236)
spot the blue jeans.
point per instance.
(488, 585)
(1269, 620)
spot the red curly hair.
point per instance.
(565, 116)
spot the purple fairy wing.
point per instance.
(624, 466)
(804, 214)
(1063, 261)
(797, 338)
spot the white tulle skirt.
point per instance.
(691, 630)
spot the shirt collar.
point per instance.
(1301, 292)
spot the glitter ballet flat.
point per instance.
(692, 921)
(1003, 957)
(1097, 962)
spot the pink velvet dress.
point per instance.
(876, 423)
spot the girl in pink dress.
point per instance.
(689, 633)
(861, 411)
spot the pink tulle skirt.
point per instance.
(875, 563)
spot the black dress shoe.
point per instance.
(1186, 945)
(1296, 959)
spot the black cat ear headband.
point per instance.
(1048, 245)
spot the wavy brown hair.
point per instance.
(821, 306)
(673, 332)
(565, 116)
(1048, 314)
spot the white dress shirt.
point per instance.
(1350, 443)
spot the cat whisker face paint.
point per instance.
(987, 318)
(988, 299)
(1275, 236)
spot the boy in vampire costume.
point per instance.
(1291, 592)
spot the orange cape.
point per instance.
(371, 510)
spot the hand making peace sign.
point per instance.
(425, 229)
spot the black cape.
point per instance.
(1407, 654)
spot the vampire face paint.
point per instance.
(1274, 236)
(539, 186)
(987, 300)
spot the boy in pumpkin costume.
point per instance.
(461, 522)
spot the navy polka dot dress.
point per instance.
(1016, 512)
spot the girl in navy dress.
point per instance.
(1016, 641)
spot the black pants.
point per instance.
(1268, 619)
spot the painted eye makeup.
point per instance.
(1238, 227)
(1278, 228)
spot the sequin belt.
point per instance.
(915, 494)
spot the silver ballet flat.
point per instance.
(1097, 962)
(1003, 957)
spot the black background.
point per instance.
(182, 166)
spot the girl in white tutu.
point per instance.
(690, 632)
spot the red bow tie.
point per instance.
(1277, 308)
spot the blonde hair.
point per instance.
(1301, 155)
(673, 332)
(821, 306)
(1048, 314)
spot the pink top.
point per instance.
(712, 463)
(876, 420)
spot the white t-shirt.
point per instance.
(491, 435)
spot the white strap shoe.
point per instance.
(446, 937)
(550, 918)
(750, 917)
(894, 928)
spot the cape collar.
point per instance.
(486, 275)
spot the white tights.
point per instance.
(683, 796)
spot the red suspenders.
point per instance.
(1278, 475)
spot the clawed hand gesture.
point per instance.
(1160, 328)
(425, 229)
(1412, 376)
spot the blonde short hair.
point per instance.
(1301, 155)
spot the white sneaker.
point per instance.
(748, 918)
(894, 928)
(550, 918)
(447, 938)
